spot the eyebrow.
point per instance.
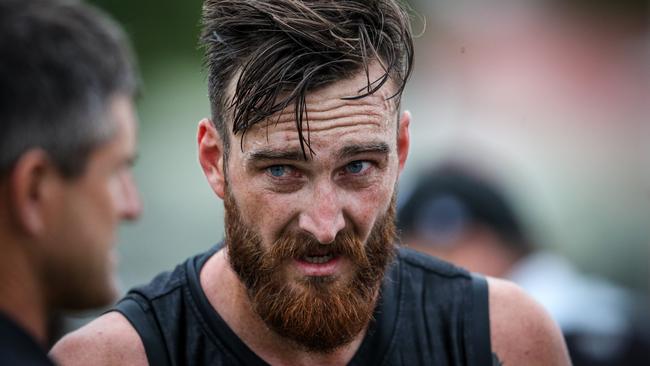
(265, 155)
(372, 148)
(271, 154)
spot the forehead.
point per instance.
(332, 118)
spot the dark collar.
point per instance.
(17, 347)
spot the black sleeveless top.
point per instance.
(425, 316)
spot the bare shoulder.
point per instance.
(107, 340)
(522, 332)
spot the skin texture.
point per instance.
(319, 197)
(522, 332)
(57, 234)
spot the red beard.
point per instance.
(319, 314)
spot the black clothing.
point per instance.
(19, 348)
(425, 316)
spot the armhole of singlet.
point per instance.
(147, 327)
(480, 341)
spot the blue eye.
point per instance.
(276, 170)
(355, 167)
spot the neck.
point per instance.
(228, 297)
(21, 296)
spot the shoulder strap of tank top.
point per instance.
(480, 331)
(147, 327)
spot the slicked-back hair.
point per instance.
(61, 64)
(270, 53)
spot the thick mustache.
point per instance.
(300, 245)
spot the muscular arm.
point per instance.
(107, 340)
(522, 332)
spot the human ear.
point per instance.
(211, 156)
(31, 184)
(403, 139)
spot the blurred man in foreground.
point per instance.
(305, 147)
(461, 215)
(67, 141)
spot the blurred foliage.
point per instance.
(158, 29)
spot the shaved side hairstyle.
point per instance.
(280, 50)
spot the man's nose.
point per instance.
(323, 216)
(130, 205)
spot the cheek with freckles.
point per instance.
(366, 206)
(265, 212)
(273, 214)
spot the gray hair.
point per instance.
(61, 64)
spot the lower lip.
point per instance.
(328, 268)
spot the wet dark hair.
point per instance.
(279, 50)
(61, 63)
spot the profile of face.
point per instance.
(311, 239)
(82, 214)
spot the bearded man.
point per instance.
(305, 146)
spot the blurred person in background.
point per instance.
(67, 142)
(305, 147)
(459, 214)
(562, 87)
